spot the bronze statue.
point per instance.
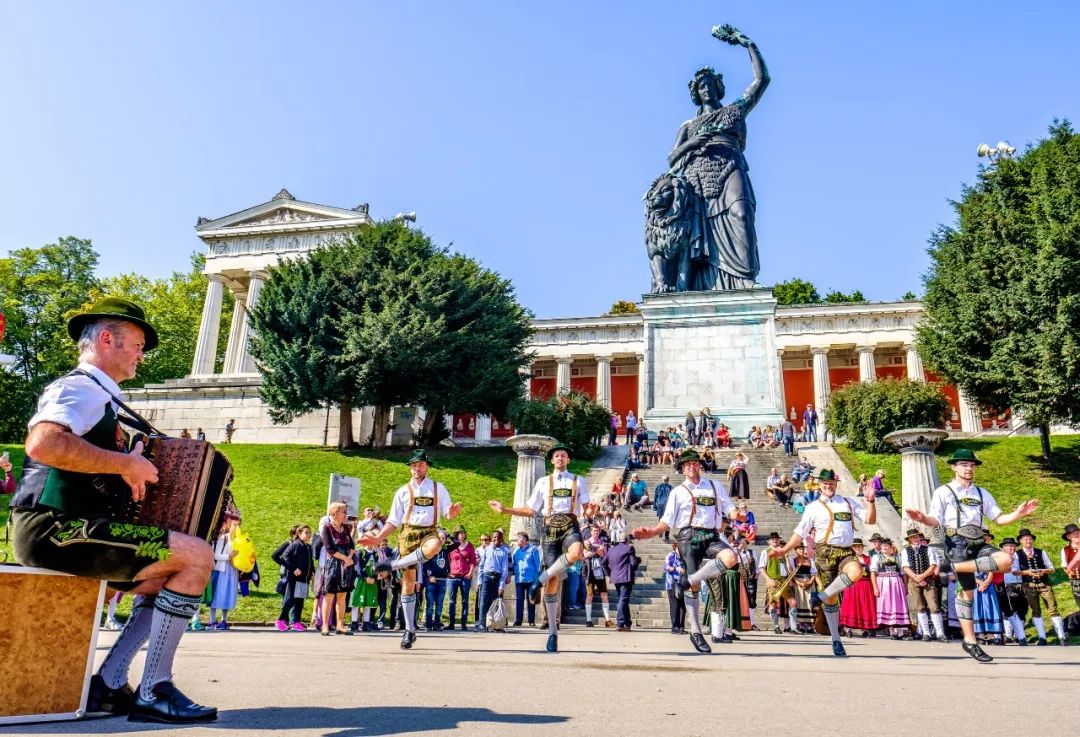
(699, 230)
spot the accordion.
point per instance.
(192, 491)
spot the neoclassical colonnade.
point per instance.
(245, 293)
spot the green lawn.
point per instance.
(1012, 471)
(277, 486)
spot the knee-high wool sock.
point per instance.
(1039, 627)
(793, 619)
(939, 623)
(415, 558)
(588, 611)
(551, 603)
(832, 617)
(753, 616)
(964, 609)
(1059, 627)
(693, 611)
(716, 624)
(1017, 627)
(114, 670)
(355, 614)
(408, 607)
(555, 570)
(924, 623)
(838, 584)
(986, 564)
(606, 608)
(774, 614)
(709, 569)
(171, 614)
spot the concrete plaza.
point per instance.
(603, 682)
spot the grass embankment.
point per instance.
(1013, 471)
(277, 486)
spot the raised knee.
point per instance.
(1004, 562)
(201, 555)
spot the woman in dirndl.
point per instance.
(890, 591)
(858, 606)
(987, 611)
(738, 480)
(225, 580)
(339, 573)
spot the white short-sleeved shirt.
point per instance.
(423, 511)
(562, 486)
(843, 510)
(704, 500)
(976, 505)
(76, 402)
(907, 561)
(763, 563)
(1013, 576)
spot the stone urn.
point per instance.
(531, 451)
(918, 470)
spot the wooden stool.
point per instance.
(47, 643)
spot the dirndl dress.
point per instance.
(986, 613)
(366, 595)
(858, 607)
(892, 600)
(225, 585)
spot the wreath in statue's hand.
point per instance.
(729, 34)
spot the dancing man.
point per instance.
(695, 510)
(416, 509)
(964, 507)
(831, 517)
(562, 499)
(76, 475)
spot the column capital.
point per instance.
(566, 360)
(909, 347)
(602, 359)
(216, 278)
(780, 351)
(258, 274)
(819, 350)
(865, 348)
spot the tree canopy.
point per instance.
(624, 307)
(796, 292)
(1003, 289)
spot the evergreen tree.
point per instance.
(796, 292)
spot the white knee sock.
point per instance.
(693, 611)
(415, 558)
(753, 616)
(367, 614)
(607, 610)
(716, 625)
(924, 623)
(114, 670)
(793, 620)
(774, 614)
(588, 611)
(939, 623)
(832, 617)
(1039, 627)
(555, 570)
(1017, 627)
(355, 614)
(1059, 627)
(408, 606)
(709, 569)
(840, 583)
(551, 603)
(171, 614)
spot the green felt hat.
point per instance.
(686, 456)
(116, 308)
(417, 456)
(826, 474)
(560, 446)
(963, 454)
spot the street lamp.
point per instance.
(1001, 151)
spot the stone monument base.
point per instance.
(715, 350)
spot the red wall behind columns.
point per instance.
(838, 377)
(542, 388)
(624, 395)
(585, 384)
(798, 391)
(951, 394)
(891, 372)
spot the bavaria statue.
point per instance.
(699, 215)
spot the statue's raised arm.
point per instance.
(731, 35)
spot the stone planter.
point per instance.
(530, 450)
(919, 472)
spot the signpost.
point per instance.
(345, 489)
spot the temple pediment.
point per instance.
(283, 213)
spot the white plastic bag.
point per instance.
(496, 615)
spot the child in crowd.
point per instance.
(297, 568)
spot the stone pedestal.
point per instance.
(919, 472)
(530, 450)
(711, 349)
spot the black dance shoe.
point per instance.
(169, 706)
(553, 644)
(104, 700)
(698, 641)
(974, 650)
(838, 649)
(408, 639)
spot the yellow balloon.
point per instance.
(243, 551)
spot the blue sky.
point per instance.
(525, 134)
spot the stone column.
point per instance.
(867, 368)
(915, 370)
(530, 450)
(970, 417)
(603, 380)
(643, 397)
(206, 348)
(783, 394)
(821, 385)
(245, 364)
(526, 381)
(918, 470)
(233, 348)
(562, 374)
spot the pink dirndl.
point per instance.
(892, 600)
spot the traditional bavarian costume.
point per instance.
(805, 569)
(1011, 599)
(891, 599)
(924, 600)
(1037, 589)
(560, 499)
(776, 571)
(416, 511)
(858, 607)
(963, 512)
(1069, 554)
(834, 531)
(695, 511)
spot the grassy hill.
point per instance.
(1012, 471)
(277, 486)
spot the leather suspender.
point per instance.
(551, 494)
(434, 500)
(832, 518)
(693, 500)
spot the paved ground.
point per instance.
(638, 683)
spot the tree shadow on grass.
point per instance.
(1064, 464)
(361, 721)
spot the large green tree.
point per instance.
(1003, 290)
(796, 292)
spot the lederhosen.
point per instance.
(748, 572)
(698, 544)
(1069, 553)
(413, 536)
(560, 530)
(922, 598)
(831, 558)
(966, 542)
(1037, 589)
(65, 521)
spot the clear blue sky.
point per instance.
(524, 133)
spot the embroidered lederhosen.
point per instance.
(922, 598)
(413, 536)
(560, 530)
(1037, 589)
(966, 542)
(831, 558)
(697, 544)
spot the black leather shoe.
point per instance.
(698, 641)
(838, 649)
(589, 623)
(169, 706)
(534, 592)
(553, 644)
(974, 650)
(105, 700)
(407, 639)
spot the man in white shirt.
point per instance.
(561, 498)
(696, 508)
(832, 518)
(919, 562)
(416, 509)
(961, 508)
(1035, 566)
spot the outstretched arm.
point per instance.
(1023, 510)
(754, 91)
(500, 508)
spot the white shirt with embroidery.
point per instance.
(76, 402)
(710, 496)
(423, 511)
(976, 505)
(844, 511)
(563, 484)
